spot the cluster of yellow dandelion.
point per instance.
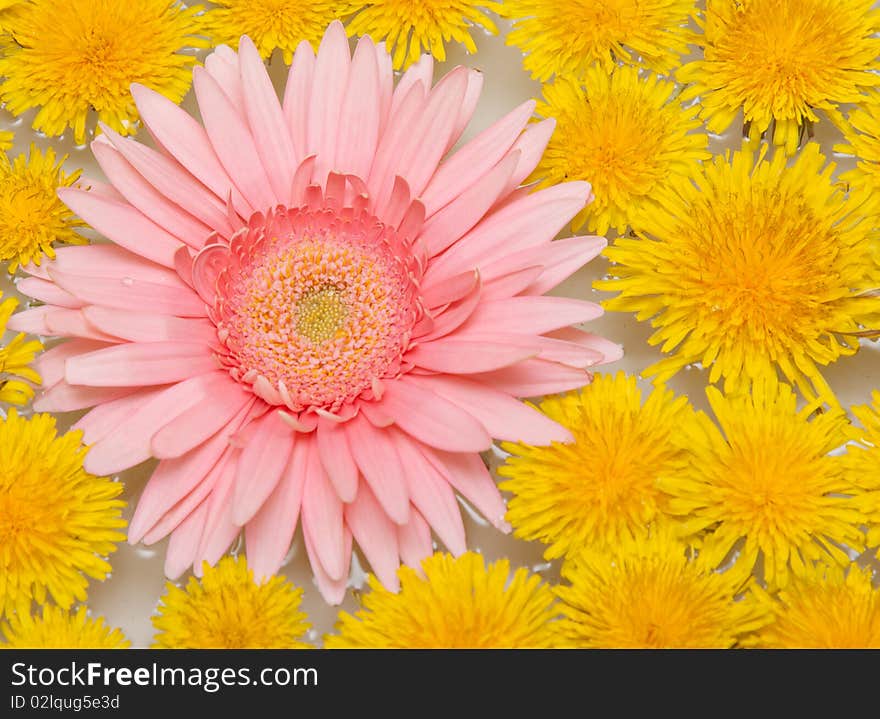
(760, 266)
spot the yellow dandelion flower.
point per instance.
(6, 139)
(16, 377)
(565, 38)
(765, 488)
(59, 629)
(67, 57)
(827, 608)
(781, 60)
(862, 463)
(270, 24)
(624, 133)
(57, 521)
(411, 27)
(862, 140)
(750, 268)
(650, 592)
(227, 609)
(603, 486)
(459, 603)
(32, 218)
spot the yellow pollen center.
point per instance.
(321, 314)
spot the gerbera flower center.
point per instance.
(313, 309)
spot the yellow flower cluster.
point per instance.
(744, 525)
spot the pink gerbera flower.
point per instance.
(308, 312)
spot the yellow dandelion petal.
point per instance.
(565, 38)
(781, 60)
(624, 133)
(602, 487)
(68, 57)
(56, 628)
(459, 603)
(16, 376)
(32, 218)
(649, 592)
(765, 487)
(862, 463)
(57, 521)
(6, 140)
(412, 27)
(862, 139)
(827, 608)
(750, 268)
(228, 609)
(270, 24)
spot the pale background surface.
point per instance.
(129, 597)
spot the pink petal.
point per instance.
(611, 351)
(195, 426)
(507, 286)
(380, 466)
(464, 357)
(262, 464)
(427, 140)
(111, 262)
(451, 318)
(176, 184)
(184, 542)
(530, 146)
(468, 105)
(359, 117)
(48, 292)
(531, 221)
(131, 294)
(144, 197)
(447, 225)
(103, 419)
(232, 142)
(337, 460)
(175, 478)
(128, 443)
(266, 119)
(182, 509)
(328, 90)
(452, 290)
(431, 419)
(469, 476)
(123, 224)
(220, 529)
(376, 535)
(296, 97)
(32, 321)
(62, 397)
(502, 415)
(382, 171)
(475, 159)
(432, 495)
(559, 259)
(414, 540)
(322, 514)
(528, 315)
(223, 66)
(420, 72)
(270, 532)
(333, 590)
(534, 378)
(186, 140)
(50, 364)
(72, 323)
(142, 364)
(149, 327)
(386, 85)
